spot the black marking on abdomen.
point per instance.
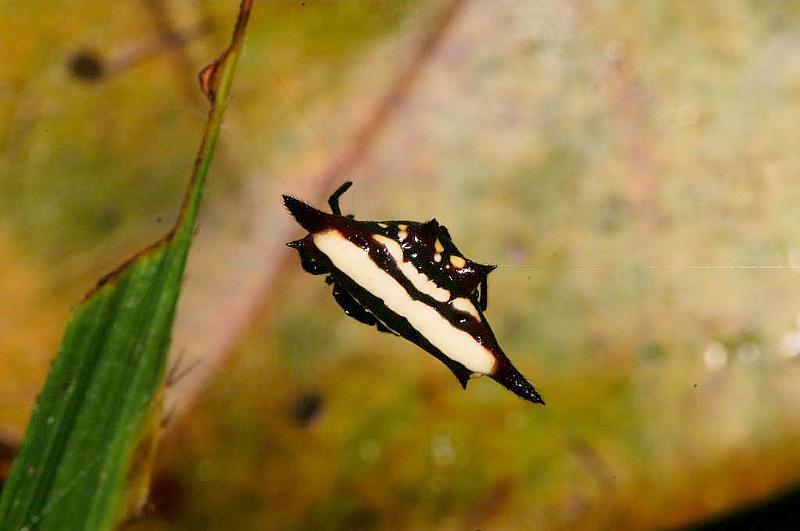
(477, 328)
(401, 326)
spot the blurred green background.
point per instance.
(631, 166)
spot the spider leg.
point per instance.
(484, 299)
(355, 309)
(383, 328)
(351, 307)
(311, 259)
(333, 200)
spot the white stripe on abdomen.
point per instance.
(356, 263)
(418, 279)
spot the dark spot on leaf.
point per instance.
(9, 445)
(87, 66)
(167, 496)
(306, 408)
(107, 219)
(361, 518)
(651, 351)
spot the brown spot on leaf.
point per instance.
(167, 496)
(87, 65)
(9, 446)
(306, 408)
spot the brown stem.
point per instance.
(366, 136)
(183, 64)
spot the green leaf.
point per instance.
(85, 458)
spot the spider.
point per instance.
(409, 279)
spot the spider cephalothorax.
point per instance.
(409, 279)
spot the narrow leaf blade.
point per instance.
(93, 422)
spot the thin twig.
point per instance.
(90, 65)
(369, 132)
(183, 64)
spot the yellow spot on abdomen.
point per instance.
(457, 261)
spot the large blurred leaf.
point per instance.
(92, 432)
